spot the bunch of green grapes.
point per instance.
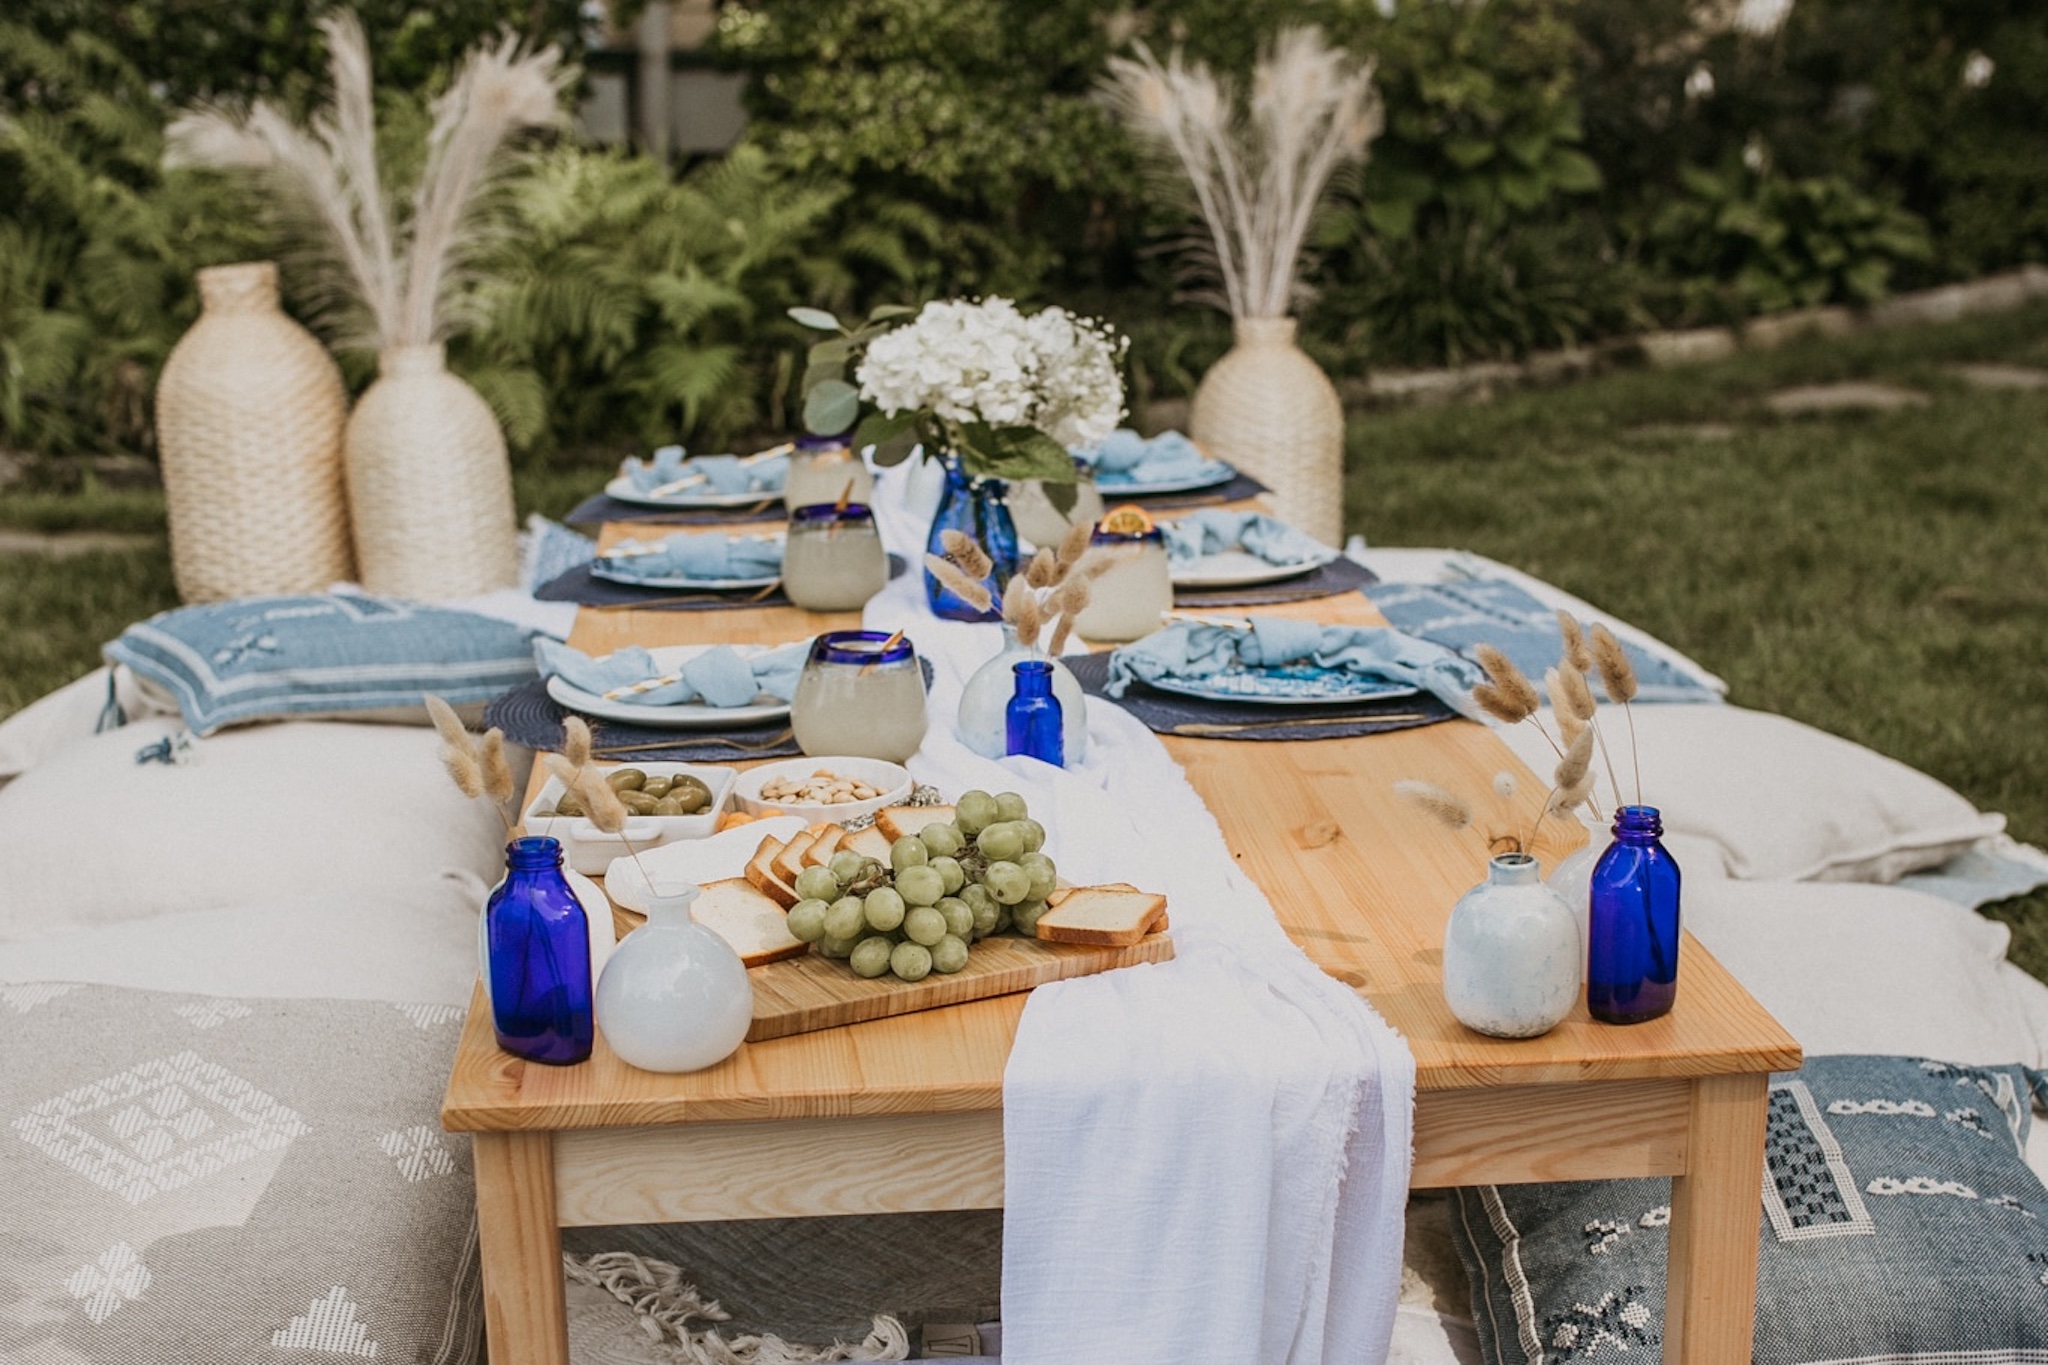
(947, 887)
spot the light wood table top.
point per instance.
(1362, 881)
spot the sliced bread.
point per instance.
(790, 861)
(900, 822)
(761, 875)
(1108, 916)
(753, 923)
(819, 854)
(869, 842)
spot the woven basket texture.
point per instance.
(1267, 409)
(249, 416)
(429, 486)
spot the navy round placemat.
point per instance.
(1169, 713)
(529, 716)
(581, 586)
(1240, 487)
(595, 511)
(1340, 575)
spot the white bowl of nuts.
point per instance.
(823, 789)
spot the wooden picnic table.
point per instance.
(904, 1114)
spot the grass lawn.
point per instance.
(1879, 575)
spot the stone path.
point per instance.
(1994, 376)
(1854, 396)
(65, 544)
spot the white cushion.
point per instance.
(1870, 969)
(56, 720)
(1782, 800)
(262, 814)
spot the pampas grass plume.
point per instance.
(1435, 801)
(1617, 674)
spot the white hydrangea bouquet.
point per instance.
(1004, 392)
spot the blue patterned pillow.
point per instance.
(1898, 1223)
(1492, 611)
(334, 655)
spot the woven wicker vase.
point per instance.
(1267, 409)
(249, 414)
(429, 487)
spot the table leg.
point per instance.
(526, 1321)
(1710, 1306)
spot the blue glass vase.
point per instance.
(1632, 933)
(974, 507)
(1035, 724)
(538, 941)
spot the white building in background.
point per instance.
(653, 86)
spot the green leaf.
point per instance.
(1015, 453)
(1574, 172)
(831, 407)
(895, 450)
(883, 311)
(1063, 496)
(1467, 152)
(815, 318)
(893, 436)
(835, 352)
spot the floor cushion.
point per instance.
(1897, 1223)
(225, 1181)
(1783, 801)
(90, 837)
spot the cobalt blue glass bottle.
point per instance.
(975, 508)
(1036, 724)
(1632, 934)
(538, 940)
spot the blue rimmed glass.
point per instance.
(1632, 931)
(975, 508)
(832, 559)
(824, 469)
(537, 939)
(861, 694)
(1126, 600)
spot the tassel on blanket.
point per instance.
(666, 1304)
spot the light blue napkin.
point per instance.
(717, 677)
(1189, 650)
(1125, 457)
(1212, 529)
(706, 555)
(722, 473)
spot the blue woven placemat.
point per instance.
(1169, 713)
(595, 511)
(529, 716)
(1238, 489)
(1339, 576)
(581, 586)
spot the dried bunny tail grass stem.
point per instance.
(1513, 685)
(1022, 610)
(1575, 652)
(576, 740)
(497, 771)
(1074, 544)
(972, 591)
(1577, 761)
(1435, 801)
(607, 812)
(1619, 677)
(453, 732)
(1496, 703)
(964, 552)
(569, 772)
(462, 764)
(1044, 569)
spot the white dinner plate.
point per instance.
(1240, 569)
(689, 584)
(681, 716)
(1208, 474)
(622, 489)
(1287, 685)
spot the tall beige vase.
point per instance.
(429, 486)
(1269, 410)
(249, 414)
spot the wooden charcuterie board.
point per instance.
(801, 994)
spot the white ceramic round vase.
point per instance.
(982, 720)
(675, 996)
(1514, 959)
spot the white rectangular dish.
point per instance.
(589, 850)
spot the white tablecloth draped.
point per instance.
(1207, 1159)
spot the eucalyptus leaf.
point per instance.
(815, 318)
(1017, 453)
(896, 449)
(882, 311)
(1062, 496)
(836, 351)
(831, 407)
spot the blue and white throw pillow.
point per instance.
(1492, 611)
(329, 655)
(1898, 1223)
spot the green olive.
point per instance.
(669, 805)
(625, 779)
(638, 802)
(657, 786)
(570, 804)
(691, 792)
